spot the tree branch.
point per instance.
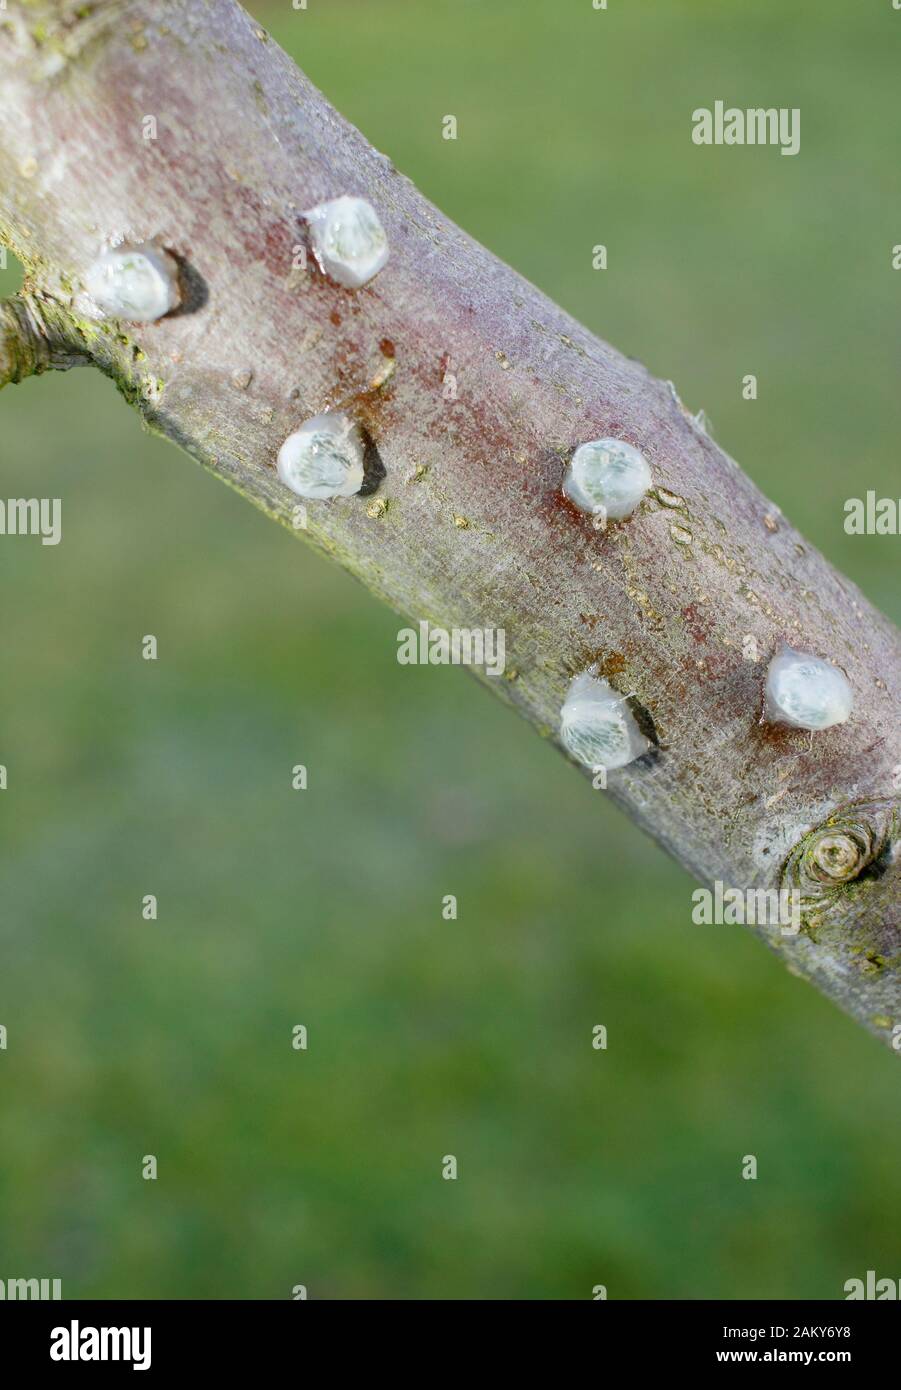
(28, 346)
(473, 530)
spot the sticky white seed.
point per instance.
(137, 283)
(349, 241)
(597, 725)
(607, 476)
(805, 692)
(324, 458)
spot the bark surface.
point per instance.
(464, 524)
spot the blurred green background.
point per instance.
(323, 907)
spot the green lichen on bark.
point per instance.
(35, 338)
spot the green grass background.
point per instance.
(429, 1037)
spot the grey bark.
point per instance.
(475, 532)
